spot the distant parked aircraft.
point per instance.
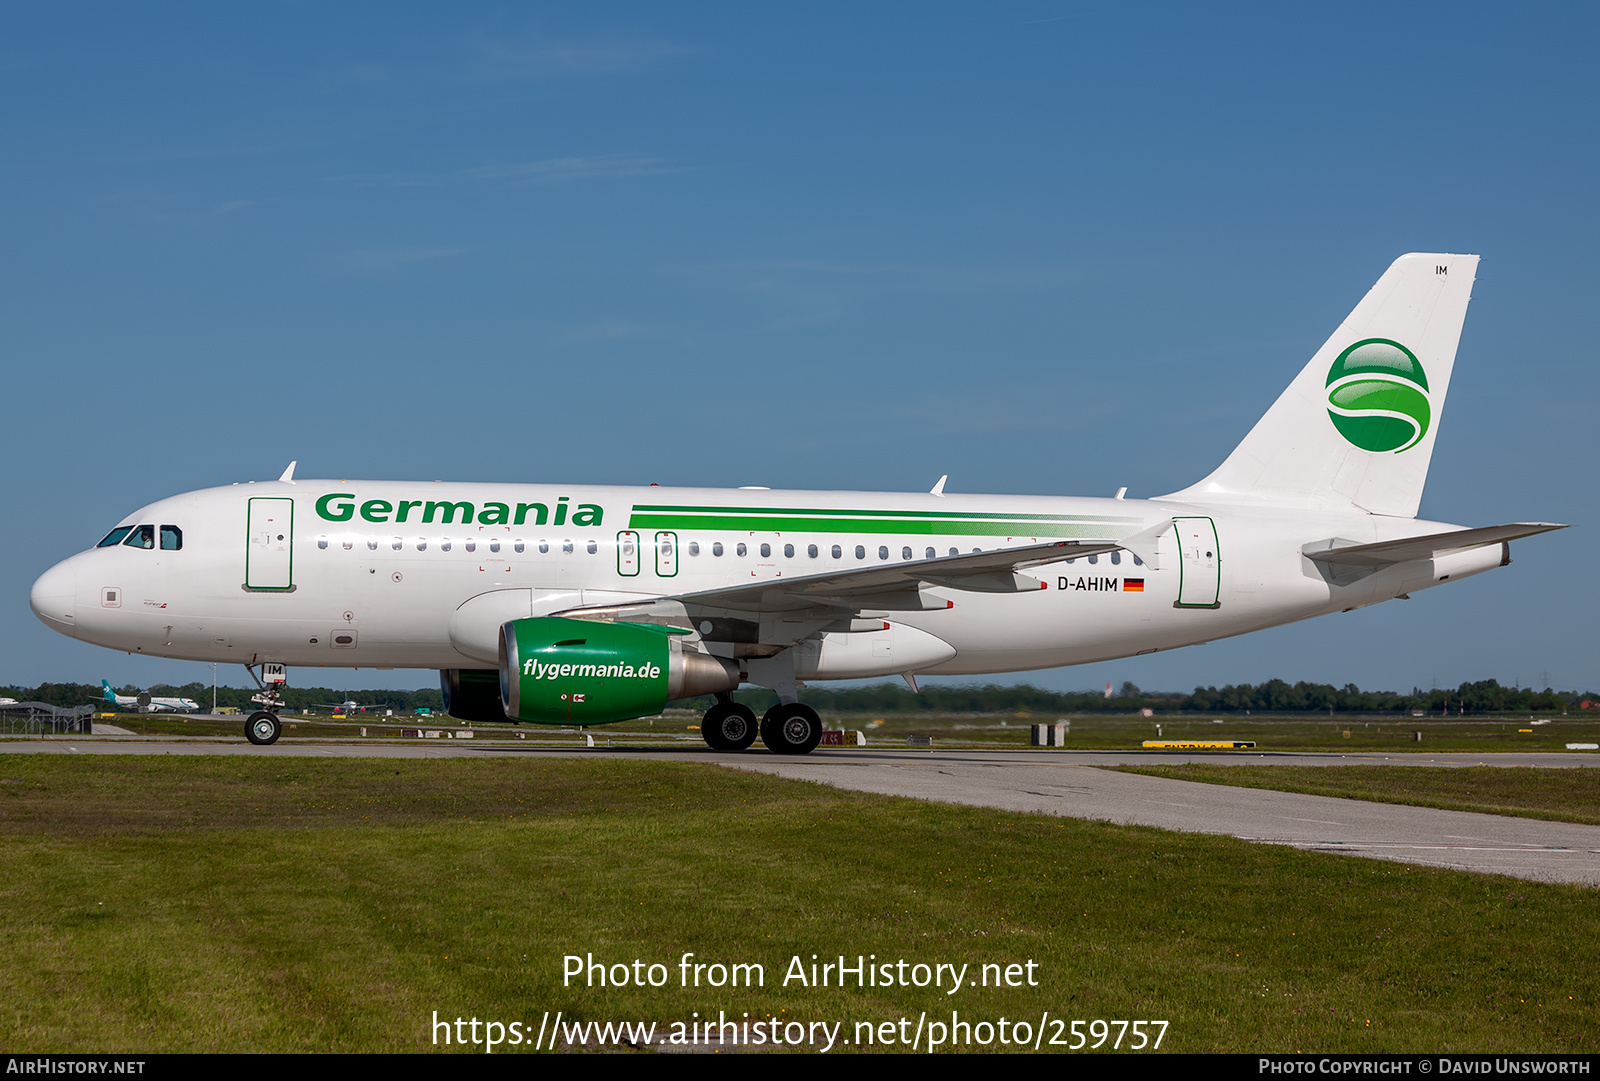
(145, 704)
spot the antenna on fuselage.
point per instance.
(288, 474)
(938, 489)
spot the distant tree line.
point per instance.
(1273, 696)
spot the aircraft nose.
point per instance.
(55, 599)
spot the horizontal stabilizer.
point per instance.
(1431, 546)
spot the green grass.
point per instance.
(250, 904)
(1561, 795)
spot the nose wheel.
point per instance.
(263, 728)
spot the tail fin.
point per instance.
(107, 693)
(1356, 427)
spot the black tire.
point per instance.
(791, 729)
(728, 726)
(263, 728)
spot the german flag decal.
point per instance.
(1133, 585)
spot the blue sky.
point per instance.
(1043, 248)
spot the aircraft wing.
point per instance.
(896, 587)
(1431, 546)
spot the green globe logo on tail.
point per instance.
(1378, 396)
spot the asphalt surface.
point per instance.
(1066, 783)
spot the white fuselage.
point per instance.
(379, 574)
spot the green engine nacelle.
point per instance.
(555, 670)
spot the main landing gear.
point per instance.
(787, 728)
(791, 728)
(728, 726)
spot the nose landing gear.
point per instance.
(263, 727)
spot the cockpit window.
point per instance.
(171, 538)
(141, 536)
(115, 536)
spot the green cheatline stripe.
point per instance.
(811, 512)
(928, 527)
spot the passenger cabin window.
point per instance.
(471, 544)
(322, 542)
(838, 552)
(592, 547)
(955, 551)
(494, 544)
(1116, 557)
(544, 547)
(115, 536)
(788, 551)
(517, 546)
(928, 554)
(905, 553)
(716, 549)
(566, 546)
(347, 544)
(372, 544)
(397, 544)
(694, 548)
(811, 550)
(422, 544)
(141, 536)
(883, 551)
(444, 544)
(861, 551)
(740, 550)
(766, 551)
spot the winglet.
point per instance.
(288, 474)
(938, 489)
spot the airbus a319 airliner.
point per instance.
(568, 605)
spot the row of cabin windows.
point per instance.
(861, 552)
(144, 536)
(446, 544)
(592, 547)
